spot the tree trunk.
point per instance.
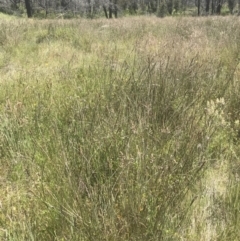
(115, 12)
(28, 7)
(213, 7)
(238, 7)
(219, 7)
(198, 6)
(207, 6)
(46, 7)
(110, 11)
(105, 11)
(115, 9)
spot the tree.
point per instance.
(231, 5)
(170, 6)
(15, 4)
(219, 7)
(207, 6)
(213, 7)
(199, 7)
(132, 7)
(152, 6)
(29, 8)
(110, 8)
(176, 5)
(238, 7)
(161, 8)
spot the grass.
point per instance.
(4, 16)
(120, 130)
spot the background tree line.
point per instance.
(112, 8)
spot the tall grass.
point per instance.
(120, 130)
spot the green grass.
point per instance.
(120, 130)
(4, 16)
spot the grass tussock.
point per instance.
(120, 130)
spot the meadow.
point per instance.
(120, 130)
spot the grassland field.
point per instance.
(121, 130)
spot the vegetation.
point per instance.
(114, 8)
(120, 130)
